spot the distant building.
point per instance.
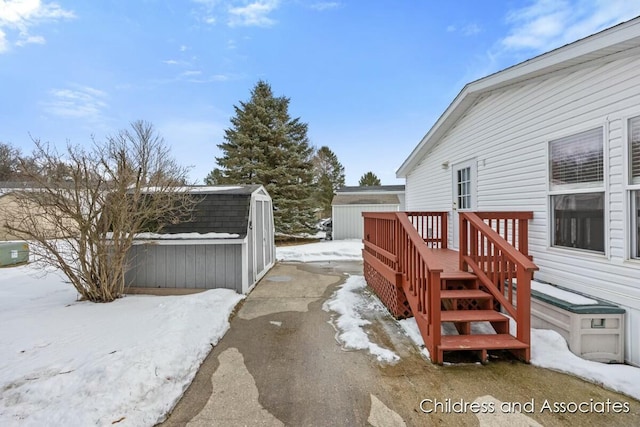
(349, 203)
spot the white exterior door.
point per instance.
(464, 194)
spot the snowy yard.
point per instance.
(64, 362)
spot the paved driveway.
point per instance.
(280, 364)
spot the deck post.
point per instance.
(523, 236)
(444, 232)
(523, 297)
(463, 243)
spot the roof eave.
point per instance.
(581, 51)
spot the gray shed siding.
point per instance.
(204, 266)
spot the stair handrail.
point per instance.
(524, 268)
(421, 271)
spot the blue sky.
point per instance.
(369, 77)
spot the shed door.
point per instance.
(268, 233)
(260, 236)
(464, 193)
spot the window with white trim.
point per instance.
(634, 184)
(576, 175)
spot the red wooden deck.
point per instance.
(408, 264)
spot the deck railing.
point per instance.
(431, 226)
(394, 245)
(494, 246)
(402, 266)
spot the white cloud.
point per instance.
(253, 14)
(548, 24)
(471, 30)
(4, 44)
(191, 78)
(19, 16)
(31, 40)
(242, 13)
(191, 73)
(207, 11)
(467, 30)
(78, 102)
(326, 5)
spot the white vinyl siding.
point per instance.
(348, 222)
(508, 132)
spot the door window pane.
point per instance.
(464, 188)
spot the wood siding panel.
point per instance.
(507, 133)
(200, 276)
(186, 266)
(180, 269)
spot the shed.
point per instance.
(349, 203)
(228, 243)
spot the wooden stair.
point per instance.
(409, 266)
(463, 303)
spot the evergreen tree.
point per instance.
(369, 179)
(328, 175)
(266, 146)
(215, 177)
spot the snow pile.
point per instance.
(349, 304)
(186, 236)
(335, 250)
(410, 328)
(550, 350)
(570, 297)
(79, 363)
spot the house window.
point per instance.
(464, 188)
(577, 191)
(634, 184)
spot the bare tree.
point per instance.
(84, 221)
(9, 156)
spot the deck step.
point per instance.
(472, 316)
(457, 275)
(480, 342)
(464, 294)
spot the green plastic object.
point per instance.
(13, 253)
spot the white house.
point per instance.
(558, 135)
(349, 203)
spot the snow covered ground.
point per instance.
(64, 362)
(548, 348)
(330, 250)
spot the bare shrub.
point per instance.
(84, 221)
